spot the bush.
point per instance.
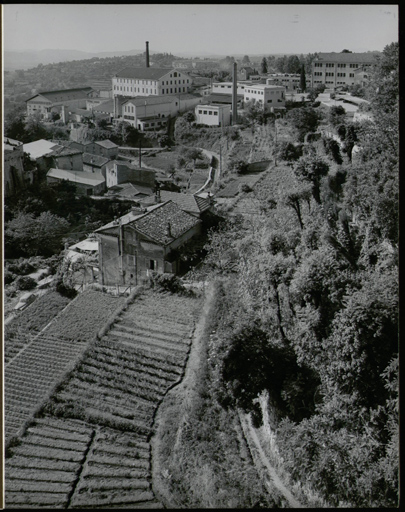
(25, 283)
(22, 268)
(65, 291)
(244, 187)
(9, 277)
(167, 282)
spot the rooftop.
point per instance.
(106, 143)
(145, 73)
(187, 202)
(357, 58)
(155, 221)
(95, 160)
(85, 178)
(80, 92)
(40, 148)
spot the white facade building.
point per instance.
(339, 69)
(270, 96)
(132, 82)
(151, 113)
(226, 88)
(213, 115)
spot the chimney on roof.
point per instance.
(147, 54)
(169, 230)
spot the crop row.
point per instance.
(85, 315)
(31, 321)
(111, 345)
(143, 338)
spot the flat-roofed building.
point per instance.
(213, 115)
(339, 69)
(270, 96)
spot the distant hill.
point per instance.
(31, 58)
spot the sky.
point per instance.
(223, 29)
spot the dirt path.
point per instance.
(172, 413)
(262, 463)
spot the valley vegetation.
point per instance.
(307, 312)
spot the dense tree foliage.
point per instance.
(313, 321)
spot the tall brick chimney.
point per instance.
(147, 54)
(234, 93)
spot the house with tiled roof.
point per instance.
(47, 102)
(338, 69)
(142, 241)
(95, 163)
(150, 81)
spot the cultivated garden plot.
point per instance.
(93, 434)
(32, 320)
(41, 363)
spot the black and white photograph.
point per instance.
(200, 256)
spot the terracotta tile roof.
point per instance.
(95, 160)
(64, 151)
(130, 190)
(187, 202)
(108, 144)
(155, 223)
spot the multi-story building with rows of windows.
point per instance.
(133, 82)
(339, 69)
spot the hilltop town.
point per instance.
(200, 281)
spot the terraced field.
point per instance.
(90, 446)
(36, 366)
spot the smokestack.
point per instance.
(147, 54)
(234, 93)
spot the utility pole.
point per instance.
(140, 152)
(275, 145)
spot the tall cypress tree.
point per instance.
(303, 81)
(264, 65)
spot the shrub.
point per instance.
(65, 291)
(9, 277)
(244, 187)
(25, 283)
(167, 282)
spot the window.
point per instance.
(351, 75)
(175, 73)
(341, 74)
(329, 65)
(341, 65)
(215, 113)
(200, 111)
(210, 113)
(318, 73)
(318, 64)
(205, 112)
(329, 74)
(153, 264)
